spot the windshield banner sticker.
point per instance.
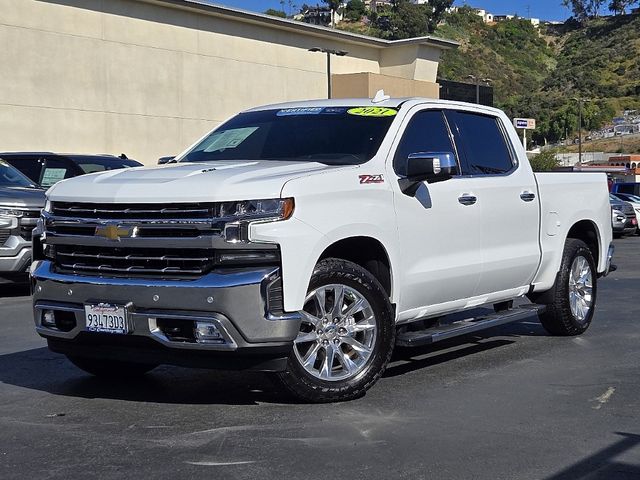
(300, 111)
(310, 111)
(372, 111)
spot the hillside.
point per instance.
(536, 74)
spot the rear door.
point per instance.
(506, 193)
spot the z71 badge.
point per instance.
(371, 179)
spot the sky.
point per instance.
(543, 9)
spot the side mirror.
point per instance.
(163, 160)
(427, 166)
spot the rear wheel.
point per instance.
(110, 368)
(572, 299)
(346, 337)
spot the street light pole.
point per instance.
(329, 52)
(477, 80)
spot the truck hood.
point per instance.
(186, 182)
(22, 197)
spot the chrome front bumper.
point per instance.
(235, 300)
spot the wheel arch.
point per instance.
(587, 231)
(369, 253)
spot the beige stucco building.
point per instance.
(148, 77)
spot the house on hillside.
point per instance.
(321, 15)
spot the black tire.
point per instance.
(306, 387)
(558, 318)
(111, 368)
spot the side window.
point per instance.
(426, 132)
(55, 169)
(482, 143)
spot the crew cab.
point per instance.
(311, 238)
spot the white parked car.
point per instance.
(306, 238)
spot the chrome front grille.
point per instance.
(187, 211)
(121, 240)
(4, 236)
(116, 260)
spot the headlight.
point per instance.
(47, 206)
(10, 212)
(271, 209)
(9, 217)
(239, 215)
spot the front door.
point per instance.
(438, 227)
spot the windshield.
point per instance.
(330, 135)
(10, 177)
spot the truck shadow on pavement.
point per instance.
(603, 465)
(14, 290)
(43, 370)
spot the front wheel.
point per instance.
(573, 296)
(346, 336)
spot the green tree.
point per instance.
(618, 7)
(355, 10)
(275, 13)
(544, 161)
(403, 20)
(584, 9)
(438, 9)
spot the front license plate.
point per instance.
(106, 318)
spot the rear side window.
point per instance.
(481, 143)
(426, 132)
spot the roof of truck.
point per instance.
(368, 102)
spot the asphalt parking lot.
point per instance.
(509, 403)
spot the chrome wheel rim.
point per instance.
(337, 334)
(580, 288)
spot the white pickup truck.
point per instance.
(310, 238)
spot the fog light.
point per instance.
(49, 319)
(207, 332)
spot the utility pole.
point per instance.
(477, 81)
(580, 102)
(329, 52)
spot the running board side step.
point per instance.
(464, 327)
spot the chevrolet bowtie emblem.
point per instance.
(114, 232)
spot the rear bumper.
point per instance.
(235, 301)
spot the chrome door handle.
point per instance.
(467, 199)
(527, 196)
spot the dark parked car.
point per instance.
(20, 204)
(45, 169)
